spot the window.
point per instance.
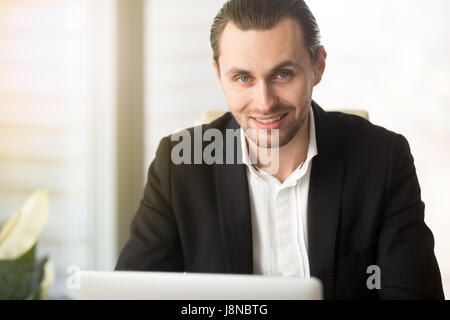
(52, 95)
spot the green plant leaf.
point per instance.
(23, 229)
(17, 276)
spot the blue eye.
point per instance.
(284, 74)
(244, 79)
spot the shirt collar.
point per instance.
(301, 169)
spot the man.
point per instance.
(342, 202)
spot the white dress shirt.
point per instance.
(279, 213)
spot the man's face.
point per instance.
(267, 77)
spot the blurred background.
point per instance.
(89, 87)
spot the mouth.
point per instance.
(269, 123)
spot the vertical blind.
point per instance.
(180, 81)
(45, 121)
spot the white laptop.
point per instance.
(125, 285)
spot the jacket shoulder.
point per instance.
(356, 132)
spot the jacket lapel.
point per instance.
(323, 216)
(234, 211)
(324, 202)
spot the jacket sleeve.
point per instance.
(154, 244)
(409, 269)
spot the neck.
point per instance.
(290, 156)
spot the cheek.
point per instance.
(237, 100)
(292, 96)
(298, 93)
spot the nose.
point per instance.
(265, 98)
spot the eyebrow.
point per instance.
(287, 63)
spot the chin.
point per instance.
(265, 141)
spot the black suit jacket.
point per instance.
(364, 208)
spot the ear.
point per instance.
(319, 67)
(216, 70)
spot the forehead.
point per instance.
(260, 50)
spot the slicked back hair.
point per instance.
(264, 15)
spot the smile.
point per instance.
(269, 120)
(269, 123)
